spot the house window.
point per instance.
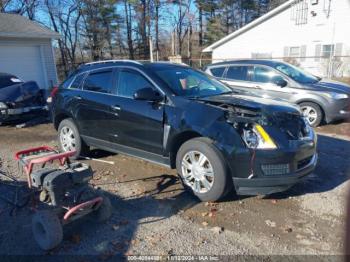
(327, 51)
(299, 12)
(294, 51)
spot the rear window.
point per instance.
(217, 71)
(238, 73)
(77, 81)
(100, 81)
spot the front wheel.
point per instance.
(202, 169)
(312, 112)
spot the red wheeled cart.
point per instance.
(65, 191)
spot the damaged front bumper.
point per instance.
(7, 114)
(272, 171)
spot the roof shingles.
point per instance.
(13, 25)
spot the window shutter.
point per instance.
(303, 53)
(286, 51)
(318, 52)
(338, 49)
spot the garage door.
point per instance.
(22, 61)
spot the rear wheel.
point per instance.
(69, 138)
(202, 169)
(47, 229)
(312, 112)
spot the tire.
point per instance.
(79, 145)
(104, 212)
(47, 229)
(220, 182)
(305, 106)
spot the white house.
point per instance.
(26, 50)
(315, 34)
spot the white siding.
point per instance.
(46, 57)
(280, 31)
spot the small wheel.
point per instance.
(47, 229)
(104, 212)
(203, 170)
(312, 112)
(69, 138)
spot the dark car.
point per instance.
(182, 118)
(321, 100)
(18, 98)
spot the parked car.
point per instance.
(17, 98)
(182, 118)
(319, 99)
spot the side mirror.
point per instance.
(279, 81)
(148, 94)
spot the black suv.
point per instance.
(182, 118)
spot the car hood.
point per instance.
(328, 85)
(22, 93)
(255, 103)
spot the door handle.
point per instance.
(116, 108)
(78, 97)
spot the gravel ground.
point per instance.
(152, 215)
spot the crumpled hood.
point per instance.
(20, 93)
(255, 103)
(330, 86)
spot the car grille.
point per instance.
(304, 162)
(275, 169)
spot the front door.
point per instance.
(140, 122)
(265, 78)
(239, 78)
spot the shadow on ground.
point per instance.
(106, 241)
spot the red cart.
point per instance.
(64, 191)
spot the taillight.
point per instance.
(54, 91)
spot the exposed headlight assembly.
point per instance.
(337, 95)
(256, 137)
(3, 106)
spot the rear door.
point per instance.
(141, 122)
(94, 114)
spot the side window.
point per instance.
(264, 75)
(76, 82)
(130, 81)
(99, 81)
(238, 73)
(217, 71)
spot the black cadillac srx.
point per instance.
(177, 116)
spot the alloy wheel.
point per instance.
(310, 113)
(197, 172)
(67, 139)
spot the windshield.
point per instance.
(296, 73)
(191, 83)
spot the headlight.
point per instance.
(337, 95)
(3, 105)
(257, 138)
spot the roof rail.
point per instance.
(112, 61)
(172, 63)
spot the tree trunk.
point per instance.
(127, 8)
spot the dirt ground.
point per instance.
(153, 215)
